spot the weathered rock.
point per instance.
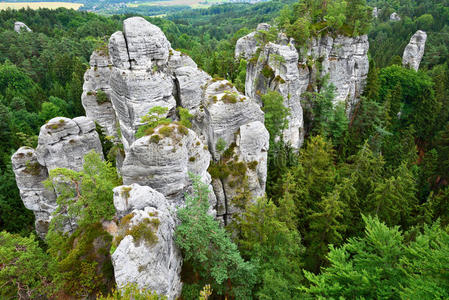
(146, 43)
(164, 160)
(29, 177)
(153, 262)
(414, 51)
(395, 17)
(96, 80)
(130, 197)
(345, 59)
(279, 67)
(375, 12)
(63, 142)
(19, 26)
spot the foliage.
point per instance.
(84, 197)
(26, 271)
(131, 292)
(382, 265)
(155, 117)
(273, 244)
(209, 249)
(314, 17)
(185, 117)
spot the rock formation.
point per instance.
(62, 143)
(29, 177)
(394, 17)
(375, 12)
(164, 159)
(19, 26)
(152, 262)
(138, 71)
(279, 67)
(414, 51)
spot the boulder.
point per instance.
(63, 143)
(414, 51)
(96, 84)
(151, 260)
(35, 196)
(164, 159)
(394, 17)
(19, 26)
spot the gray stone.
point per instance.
(63, 143)
(343, 59)
(97, 79)
(164, 162)
(19, 26)
(29, 178)
(414, 51)
(394, 17)
(147, 44)
(154, 265)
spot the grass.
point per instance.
(37, 5)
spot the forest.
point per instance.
(361, 211)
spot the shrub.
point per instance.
(101, 97)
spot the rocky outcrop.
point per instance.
(151, 260)
(138, 81)
(164, 159)
(19, 26)
(97, 92)
(394, 17)
(279, 67)
(29, 178)
(414, 51)
(140, 71)
(62, 143)
(375, 12)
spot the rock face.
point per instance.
(96, 84)
(152, 263)
(279, 67)
(62, 143)
(375, 12)
(164, 159)
(29, 177)
(414, 51)
(139, 71)
(19, 26)
(395, 17)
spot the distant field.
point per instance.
(36, 5)
(191, 3)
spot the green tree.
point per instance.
(274, 245)
(26, 271)
(209, 249)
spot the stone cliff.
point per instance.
(279, 66)
(414, 51)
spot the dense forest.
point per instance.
(361, 211)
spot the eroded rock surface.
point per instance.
(63, 142)
(414, 51)
(19, 26)
(153, 262)
(29, 177)
(164, 159)
(279, 67)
